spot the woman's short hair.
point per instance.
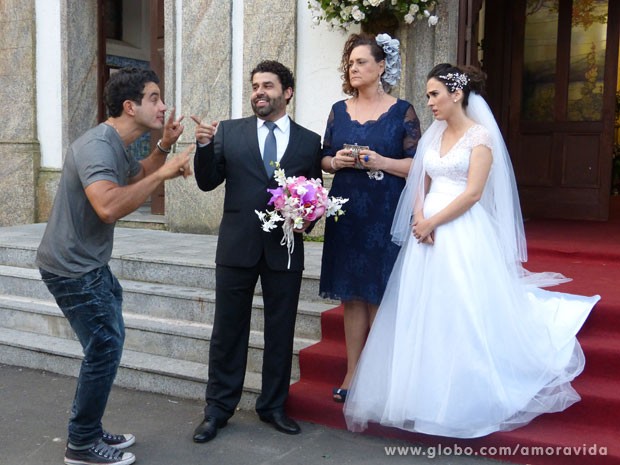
(355, 40)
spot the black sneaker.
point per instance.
(98, 454)
(119, 441)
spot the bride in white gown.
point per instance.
(465, 341)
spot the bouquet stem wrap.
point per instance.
(288, 239)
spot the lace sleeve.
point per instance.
(412, 130)
(327, 138)
(479, 135)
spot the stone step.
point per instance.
(145, 372)
(22, 282)
(165, 301)
(142, 218)
(154, 256)
(178, 339)
(168, 280)
(198, 305)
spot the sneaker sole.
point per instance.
(125, 461)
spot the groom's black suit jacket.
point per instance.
(234, 157)
(245, 251)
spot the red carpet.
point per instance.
(586, 433)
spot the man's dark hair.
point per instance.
(126, 84)
(284, 74)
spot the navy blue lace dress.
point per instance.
(358, 253)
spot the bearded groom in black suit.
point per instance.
(238, 152)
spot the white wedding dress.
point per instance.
(461, 345)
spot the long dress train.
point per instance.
(462, 346)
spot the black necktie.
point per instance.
(270, 151)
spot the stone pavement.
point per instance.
(34, 407)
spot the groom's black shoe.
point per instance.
(207, 430)
(281, 422)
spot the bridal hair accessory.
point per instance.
(455, 81)
(390, 47)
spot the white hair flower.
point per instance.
(390, 47)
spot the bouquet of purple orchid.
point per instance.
(297, 199)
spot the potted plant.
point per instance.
(374, 16)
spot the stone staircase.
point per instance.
(169, 300)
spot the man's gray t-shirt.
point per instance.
(76, 241)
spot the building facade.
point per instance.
(55, 56)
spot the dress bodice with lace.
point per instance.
(449, 171)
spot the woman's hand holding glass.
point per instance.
(343, 159)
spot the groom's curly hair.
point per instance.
(284, 74)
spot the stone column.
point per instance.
(78, 69)
(205, 83)
(19, 149)
(270, 34)
(422, 48)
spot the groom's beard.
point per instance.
(274, 105)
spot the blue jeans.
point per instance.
(92, 304)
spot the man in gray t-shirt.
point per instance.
(98, 155)
(101, 183)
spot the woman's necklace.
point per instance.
(371, 117)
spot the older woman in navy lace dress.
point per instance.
(358, 254)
